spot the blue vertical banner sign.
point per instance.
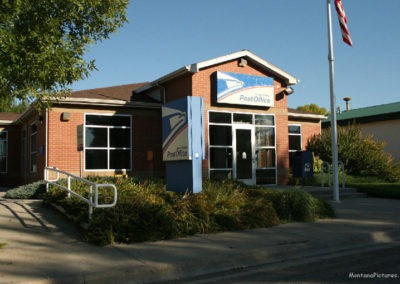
(183, 143)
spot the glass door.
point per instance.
(244, 158)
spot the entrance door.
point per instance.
(244, 159)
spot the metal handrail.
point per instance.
(92, 186)
(322, 174)
(329, 174)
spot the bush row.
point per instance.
(147, 212)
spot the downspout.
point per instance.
(46, 139)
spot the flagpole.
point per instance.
(333, 107)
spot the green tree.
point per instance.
(9, 104)
(42, 43)
(361, 155)
(314, 109)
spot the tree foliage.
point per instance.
(42, 42)
(314, 109)
(361, 155)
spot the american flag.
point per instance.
(343, 22)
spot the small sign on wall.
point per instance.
(244, 89)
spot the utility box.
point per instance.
(303, 165)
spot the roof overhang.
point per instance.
(306, 116)
(196, 67)
(5, 122)
(108, 103)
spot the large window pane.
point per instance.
(221, 158)
(265, 136)
(96, 137)
(115, 120)
(294, 142)
(96, 159)
(220, 117)
(266, 176)
(243, 118)
(294, 129)
(220, 135)
(265, 158)
(264, 119)
(220, 175)
(120, 137)
(3, 164)
(120, 159)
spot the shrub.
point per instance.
(362, 156)
(146, 211)
(29, 191)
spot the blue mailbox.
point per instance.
(183, 144)
(303, 164)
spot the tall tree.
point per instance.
(314, 108)
(42, 43)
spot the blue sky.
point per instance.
(162, 36)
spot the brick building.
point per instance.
(117, 130)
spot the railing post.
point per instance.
(90, 201)
(69, 186)
(328, 167)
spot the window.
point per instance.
(294, 140)
(3, 151)
(107, 142)
(33, 148)
(265, 149)
(220, 132)
(222, 149)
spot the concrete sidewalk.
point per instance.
(42, 247)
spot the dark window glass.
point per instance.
(120, 137)
(220, 135)
(220, 117)
(96, 159)
(3, 164)
(96, 137)
(264, 119)
(3, 135)
(108, 120)
(294, 142)
(221, 158)
(294, 129)
(33, 128)
(243, 118)
(120, 159)
(220, 175)
(265, 177)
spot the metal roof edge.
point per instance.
(306, 115)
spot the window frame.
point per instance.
(108, 148)
(257, 148)
(295, 134)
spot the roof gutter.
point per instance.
(306, 115)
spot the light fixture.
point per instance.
(242, 62)
(289, 91)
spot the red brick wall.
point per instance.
(146, 142)
(62, 141)
(308, 129)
